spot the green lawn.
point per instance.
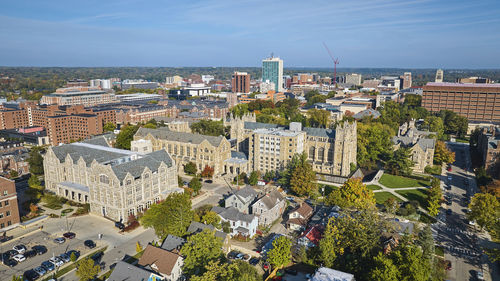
(381, 197)
(392, 181)
(373, 187)
(415, 194)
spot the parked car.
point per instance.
(449, 168)
(30, 253)
(48, 266)
(97, 256)
(89, 244)
(39, 249)
(30, 275)
(479, 275)
(59, 240)
(69, 235)
(64, 257)
(40, 270)
(10, 262)
(232, 255)
(254, 261)
(20, 249)
(448, 212)
(77, 254)
(119, 225)
(447, 265)
(19, 258)
(56, 261)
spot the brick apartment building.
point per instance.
(240, 82)
(9, 210)
(477, 102)
(63, 123)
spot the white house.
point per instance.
(240, 223)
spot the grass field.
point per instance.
(373, 187)
(415, 194)
(392, 181)
(381, 197)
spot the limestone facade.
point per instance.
(115, 182)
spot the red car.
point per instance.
(449, 168)
(69, 235)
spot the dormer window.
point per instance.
(104, 179)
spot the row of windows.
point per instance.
(7, 214)
(4, 203)
(2, 225)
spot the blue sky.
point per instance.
(362, 33)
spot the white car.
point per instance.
(19, 257)
(19, 248)
(449, 178)
(472, 223)
(56, 261)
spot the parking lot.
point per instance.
(39, 238)
(86, 227)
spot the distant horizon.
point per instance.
(417, 34)
(284, 67)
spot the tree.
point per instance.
(87, 269)
(318, 118)
(390, 114)
(13, 174)
(400, 163)
(17, 278)
(240, 109)
(34, 182)
(190, 168)
(408, 258)
(434, 124)
(125, 136)
(212, 218)
(281, 253)
(391, 205)
(352, 194)
(269, 176)
(384, 269)
(36, 161)
(434, 196)
(413, 100)
(172, 216)
(149, 126)
(73, 257)
(138, 247)
(254, 178)
(299, 176)
(208, 172)
(374, 143)
(109, 127)
(442, 154)
(237, 270)
(195, 185)
(208, 127)
(485, 210)
(199, 250)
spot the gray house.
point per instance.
(269, 207)
(124, 272)
(242, 199)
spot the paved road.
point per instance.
(459, 239)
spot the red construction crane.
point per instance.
(335, 62)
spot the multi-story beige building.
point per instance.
(420, 144)
(87, 96)
(187, 147)
(330, 151)
(115, 182)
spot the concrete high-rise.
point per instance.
(407, 80)
(439, 76)
(272, 70)
(353, 78)
(241, 82)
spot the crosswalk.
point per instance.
(462, 251)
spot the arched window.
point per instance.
(104, 179)
(321, 154)
(311, 153)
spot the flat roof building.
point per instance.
(477, 102)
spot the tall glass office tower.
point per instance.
(272, 70)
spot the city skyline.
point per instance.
(416, 34)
